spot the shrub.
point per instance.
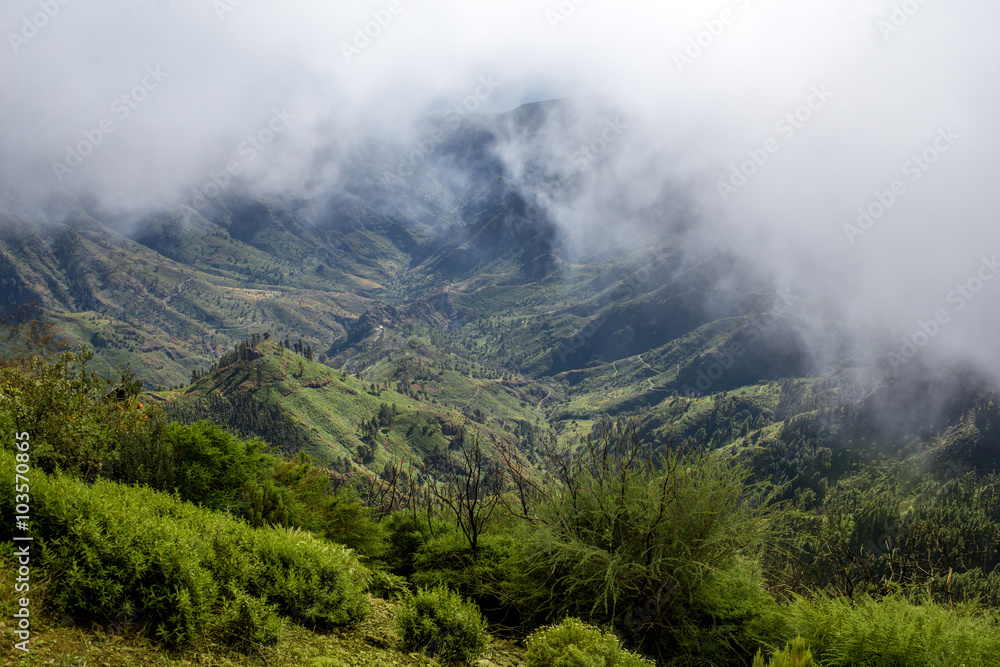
(212, 465)
(795, 654)
(572, 643)
(337, 514)
(663, 551)
(388, 586)
(143, 456)
(111, 550)
(486, 575)
(314, 582)
(249, 623)
(894, 631)
(406, 533)
(73, 415)
(442, 624)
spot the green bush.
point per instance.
(110, 550)
(442, 624)
(143, 456)
(338, 514)
(492, 575)
(662, 551)
(249, 623)
(388, 586)
(212, 465)
(575, 644)
(728, 618)
(406, 534)
(74, 416)
(795, 654)
(895, 631)
(489, 575)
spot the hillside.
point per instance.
(415, 411)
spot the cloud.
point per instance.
(702, 86)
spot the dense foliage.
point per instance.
(870, 632)
(661, 550)
(573, 643)
(440, 623)
(130, 555)
(795, 654)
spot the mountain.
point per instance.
(442, 284)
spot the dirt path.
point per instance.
(547, 397)
(179, 288)
(652, 387)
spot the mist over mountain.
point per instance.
(850, 158)
(627, 183)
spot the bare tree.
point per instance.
(471, 489)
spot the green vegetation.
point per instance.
(795, 654)
(573, 643)
(895, 631)
(135, 556)
(660, 550)
(442, 624)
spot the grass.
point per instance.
(895, 631)
(374, 643)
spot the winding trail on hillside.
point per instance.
(547, 397)
(652, 387)
(180, 287)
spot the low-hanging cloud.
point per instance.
(846, 147)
